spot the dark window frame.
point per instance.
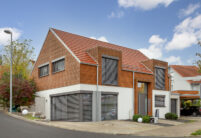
(163, 100)
(56, 62)
(156, 86)
(39, 68)
(104, 75)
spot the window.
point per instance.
(109, 71)
(44, 70)
(160, 101)
(58, 66)
(159, 78)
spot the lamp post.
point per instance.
(11, 63)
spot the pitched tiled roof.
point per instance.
(186, 71)
(194, 82)
(131, 59)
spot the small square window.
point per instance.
(160, 101)
(44, 70)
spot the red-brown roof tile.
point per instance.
(186, 71)
(131, 59)
(194, 82)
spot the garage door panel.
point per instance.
(109, 107)
(87, 107)
(72, 107)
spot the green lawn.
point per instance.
(198, 132)
(29, 116)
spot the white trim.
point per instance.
(57, 59)
(62, 42)
(41, 65)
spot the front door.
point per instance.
(174, 106)
(142, 98)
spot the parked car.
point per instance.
(193, 110)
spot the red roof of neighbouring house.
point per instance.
(194, 82)
(131, 59)
(186, 71)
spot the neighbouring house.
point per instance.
(82, 79)
(185, 81)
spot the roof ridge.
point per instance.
(99, 40)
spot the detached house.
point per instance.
(82, 79)
(186, 81)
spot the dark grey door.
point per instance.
(108, 106)
(142, 98)
(59, 108)
(72, 107)
(174, 106)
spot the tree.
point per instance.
(23, 54)
(23, 90)
(198, 62)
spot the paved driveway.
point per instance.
(15, 128)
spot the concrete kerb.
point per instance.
(76, 126)
(50, 125)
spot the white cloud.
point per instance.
(186, 34)
(118, 14)
(102, 38)
(155, 39)
(189, 10)
(5, 38)
(144, 4)
(174, 60)
(155, 49)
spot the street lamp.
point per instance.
(11, 51)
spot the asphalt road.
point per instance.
(13, 128)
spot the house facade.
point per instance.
(82, 79)
(186, 81)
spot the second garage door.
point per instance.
(72, 107)
(109, 107)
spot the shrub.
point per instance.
(146, 119)
(135, 117)
(198, 132)
(171, 116)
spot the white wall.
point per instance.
(179, 82)
(162, 110)
(125, 103)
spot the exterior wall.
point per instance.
(178, 82)
(53, 49)
(162, 110)
(125, 105)
(151, 64)
(176, 96)
(148, 78)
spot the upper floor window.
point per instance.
(109, 71)
(44, 70)
(58, 65)
(159, 78)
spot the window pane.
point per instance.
(58, 65)
(109, 71)
(159, 78)
(159, 101)
(43, 71)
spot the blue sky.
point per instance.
(162, 29)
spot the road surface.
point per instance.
(14, 128)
